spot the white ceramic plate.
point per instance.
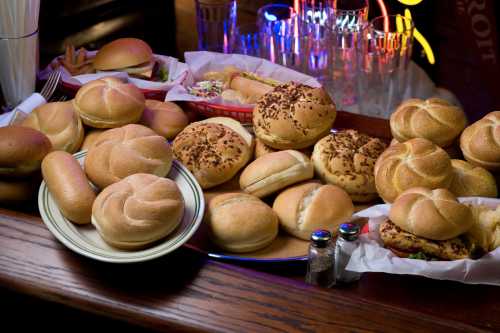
(85, 240)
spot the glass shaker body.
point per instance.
(347, 242)
(320, 266)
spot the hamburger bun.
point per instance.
(122, 53)
(165, 118)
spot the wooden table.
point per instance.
(187, 292)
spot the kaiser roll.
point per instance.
(434, 119)
(91, 138)
(137, 211)
(241, 222)
(165, 118)
(416, 162)
(214, 153)
(306, 207)
(275, 171)
(347, 158)
(472, 181)
(293, 116)
(480, 142)
(60, 123)
(122, 53)
(432, 214)
(126, 150)
(22, 150)
(109, 103)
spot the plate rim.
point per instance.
(59, 235)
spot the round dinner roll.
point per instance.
(137, 211)
(275, 171)
(91, 138)
(123, 151)
(480, 142)
(306, 207)
(109, 103)
(122, 53)
(346, 159)
(434, 119)
(240, 222)
(262, 149)
(234, 125)
(165, 118)
(293, 116)
(22, 150)
(60, 123)
(214, 153)
(432, 214)
(472, 181)
(414, 163)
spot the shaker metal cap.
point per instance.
(349, 231)
(321, 237)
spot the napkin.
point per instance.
(20, 112)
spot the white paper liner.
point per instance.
(178, 74)
(200, 62)
(371, 256)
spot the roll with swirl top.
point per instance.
(480, 142)
(293, 116)
(414, 163)
(123, 151)
(433, 119)
(346, 159)
(432, 214)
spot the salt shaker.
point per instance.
(320, 267)
(347, 242)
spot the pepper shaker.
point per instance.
(320, 266)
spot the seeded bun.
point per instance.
(214, 153)
(240, 222)
(293, 116)
(346, 159)
(234, 125)
(165, 118)
(472, 181)
(414, 163)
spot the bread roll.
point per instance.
(91, 138)
(480, 142)
(346, 159)
(60, 123)
(252, 90)
(234, 125)
(262, 149)
(241, 222)
(432, 214)
(416, 162)
(471, 181)
(434, 119)
(126, 150)
(122, 53)
(306, 207)
(16, 191)
(109, 103)
(137, 211)
(165, 118)
(293, 116)
(214, 153)
(485, 231)
(68, 186)
(275, 171)
(22, 150)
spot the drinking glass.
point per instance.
(345, 25)
(247, 40)
(384, 59)
(18, 67)
(215, 22)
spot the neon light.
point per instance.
(383, 10)
(421, 39)
(270, 17)
(410, 2)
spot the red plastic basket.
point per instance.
(242, 114)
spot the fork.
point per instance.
(51, 85)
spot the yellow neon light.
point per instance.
(410, 2)
(421, 39)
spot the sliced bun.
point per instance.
(293, 116)
(60, 123)
(416, 162)
(121, 53)
(306, 207)
(275, 171)
(346, 159)
(123, 151)
(472, 181)
(432, 214)
(22, 150)
(109, 103)
(165, 118)
(153, 208)
(434, 119)
(241, 222)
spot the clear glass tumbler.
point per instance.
(215, 22)
(18, 67)
(383, 67)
